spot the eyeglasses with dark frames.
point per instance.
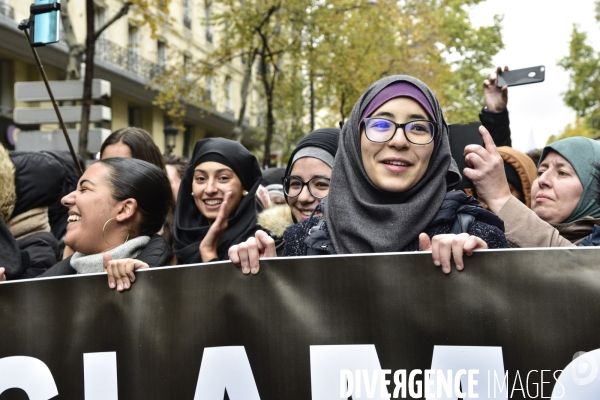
(381, 130)
(318, 186)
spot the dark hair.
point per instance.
(180, 163)
(147, 184)
(535, 156)
(139, 142)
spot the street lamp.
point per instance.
(171, 132)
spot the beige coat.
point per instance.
(523, 228)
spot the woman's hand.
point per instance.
(247, 254)
(487, 172)
(262, 195)
(120, 272)
(208, 246)
(445, 247)
(2, 276)
(495, 98)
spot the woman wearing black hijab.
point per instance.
(391, 186)
(216, 206)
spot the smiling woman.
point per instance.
(118, 206)
(304, 184)
(391, 187)
(216, 205)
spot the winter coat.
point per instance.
(525, 229)
(31, 182)
(525, 168)
(156, 254)
(459, 213)
(593, 239)
(275, 221)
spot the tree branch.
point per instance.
(122, 12)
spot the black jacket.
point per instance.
(27, 257)
(498, 125)
(43, 178)
(155, 254)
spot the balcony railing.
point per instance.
(6, 10)
(126, 59)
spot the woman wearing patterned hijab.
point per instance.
(391, 185)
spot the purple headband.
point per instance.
(398, 89)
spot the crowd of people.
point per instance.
(385, 182)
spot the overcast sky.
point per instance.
(538, 32)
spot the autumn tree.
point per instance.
(143, 12)
(433, 40)
(315, 57)
(583, 92)
(578, 128)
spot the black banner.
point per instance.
(305, 328)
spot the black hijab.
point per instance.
(362, 218)
(190, 226)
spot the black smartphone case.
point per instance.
(460, 136)
(522, 76)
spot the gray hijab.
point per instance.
(362, 218)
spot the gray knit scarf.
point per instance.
(94, 263)
(362, 218)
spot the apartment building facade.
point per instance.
(129, 57)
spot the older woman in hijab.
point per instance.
(216, 206)
(565, 200)
(390, 187)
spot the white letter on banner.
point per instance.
(29, 374)
(580, 379)
(482, 358)
(326, 362)
(100, 376)
(226, 368)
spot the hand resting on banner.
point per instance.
(444, 248)
(247, 254)
(120, 272)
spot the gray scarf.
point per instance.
(362, 218)
(94, 263)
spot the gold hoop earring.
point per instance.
(104, 227)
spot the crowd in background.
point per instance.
(385, 182)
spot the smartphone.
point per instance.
(460, 136)
(45, 28)
(522, 76)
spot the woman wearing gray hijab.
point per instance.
(391, 187)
